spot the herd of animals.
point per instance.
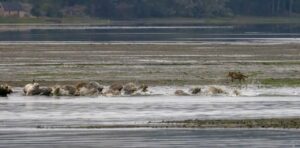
(95, 89)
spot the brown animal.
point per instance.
(80, 85)
(195, 90)
(112, 93)
(45, 91)
(32, 89)
(236, 92)
(5, 90)
(216, 91)
(237, 76)
(89, 89)
(130, 88)
(114, 90)
(116, 87)
(181, 93)
(144, 88)
(65, 90)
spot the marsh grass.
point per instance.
(291, 123)
(247, 123)
(280, 82)
(45, 20)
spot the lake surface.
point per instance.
(195, 34)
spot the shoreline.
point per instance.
(220, 42)
(264, 83)
(24, 24)
(274, 123)
(235, 20)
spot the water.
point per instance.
(84, 111)
(152, 34)
(18, 111)
(150, 138)
(20, 116)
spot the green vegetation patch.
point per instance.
(253, 20)
(281, 82)
(281, 63)
(45, 20)
(248, 123)
(14, 20)
(292, 123)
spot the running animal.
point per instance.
(32, 89)
(5, 90)
(237, 76)
(89, 89)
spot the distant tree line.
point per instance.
(165, 8)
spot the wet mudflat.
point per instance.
(148, 63)
(161, 55)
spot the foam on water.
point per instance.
(244, 91)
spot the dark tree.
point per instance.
(128, 9)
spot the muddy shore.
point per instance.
(152, 64)
(288, 123)
(282, 123)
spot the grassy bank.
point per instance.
(21, 83)
(56, 21)
(213, 21)
(248, 123)
(154, 21)
(281, 82)
(289, 123)
(254, 20)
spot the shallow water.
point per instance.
(18, 111)
(31, 138)
(155, 34)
